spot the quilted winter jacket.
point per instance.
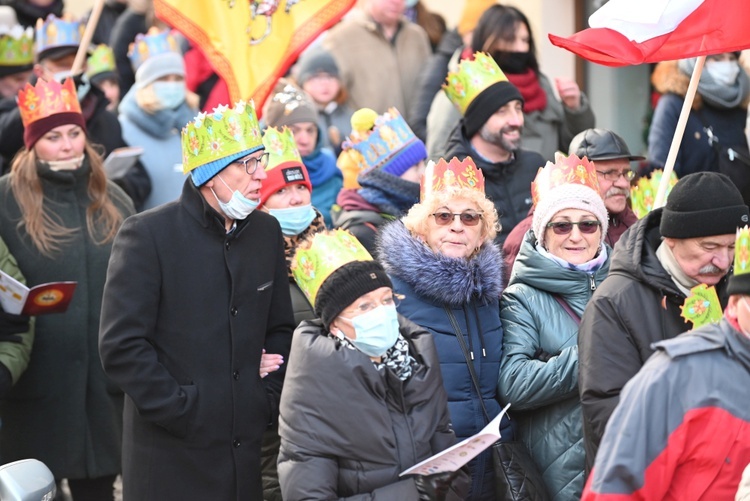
(544, 395)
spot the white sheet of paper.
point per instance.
(453, 458)
(13, 294)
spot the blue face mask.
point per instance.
(238, 207)
(170, 94)
(376, 330)
(294, 220)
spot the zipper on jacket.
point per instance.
(592, 282)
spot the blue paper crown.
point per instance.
(149, 45)
(54, 33)
(389, 137)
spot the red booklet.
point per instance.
(41, 299)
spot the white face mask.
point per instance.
(723, 72)
(71, 164)
(239, 206)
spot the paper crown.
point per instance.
(47, 98)
(281, 147)
(565, 170)
(16, 46)
(211, 137)
(327, 252)
(471, 78)
(55, 33)
(390, 136)
(350, 161)
(742, 252)
(102, 60)
(643, 193)
(454, 175)
(151, 44)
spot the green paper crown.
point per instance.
(472, 77)
(702, 306)
(327, 252)
(222, 133)
(742, 252)
(280, 146)
(101, 60)
(17, 47)
(642, 195)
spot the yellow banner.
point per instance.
(251, 43)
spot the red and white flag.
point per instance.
(627, 32)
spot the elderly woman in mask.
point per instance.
(719, 110)
(562, 260)
(442, 258)
(155, 110)
(363, 397)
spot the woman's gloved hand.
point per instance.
(11, 325)
(435, 487)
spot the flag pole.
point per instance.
(88, 34)
(679, 132)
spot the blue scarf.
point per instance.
(321, 165)
(161, 124)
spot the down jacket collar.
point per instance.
(437, 277)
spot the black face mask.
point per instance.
(512, 62)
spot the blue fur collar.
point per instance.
(436, 277)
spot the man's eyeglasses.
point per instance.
(251, 164)
(467, 218)
(614, 174)
(565, 227)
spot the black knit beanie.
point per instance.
(739, 284)
(487, 103)
(703, 204)
(346, 285)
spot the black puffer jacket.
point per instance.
(637, 304)
(507, 184)
(347, 429)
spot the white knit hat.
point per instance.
(567, 196)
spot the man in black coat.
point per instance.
(490, 133)
(196, 290)
(688, 242)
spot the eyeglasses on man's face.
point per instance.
(565, 227)
(443, 218)
(614, 174)
(251, 164)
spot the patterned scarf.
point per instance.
(397, 359)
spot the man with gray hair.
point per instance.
(657, 262)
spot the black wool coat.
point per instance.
(187, 311)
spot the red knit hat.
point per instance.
(285, 165)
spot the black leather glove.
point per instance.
(542, 355)
(11, 325)
(434, 487)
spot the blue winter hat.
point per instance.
(406, 158)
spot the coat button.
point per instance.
(236, 443)
(233, 311)
(236, 375)
(227, 245)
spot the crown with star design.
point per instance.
(16, 46)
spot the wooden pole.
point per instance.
(88, 34)
(661, 194)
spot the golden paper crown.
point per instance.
(454, 175)
(471, 78)
(153, 43)
(211, 138)
(47, 98)
(566, 170)
(327, 252)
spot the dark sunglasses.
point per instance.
(467, 218)
(565, 227)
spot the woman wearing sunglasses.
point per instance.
(562, 260)
(442, 258)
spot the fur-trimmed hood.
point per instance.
(667, 77)
(437, 277)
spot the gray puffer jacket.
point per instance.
(544, 395)
(348, 430)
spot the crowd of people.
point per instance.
(303, 298)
